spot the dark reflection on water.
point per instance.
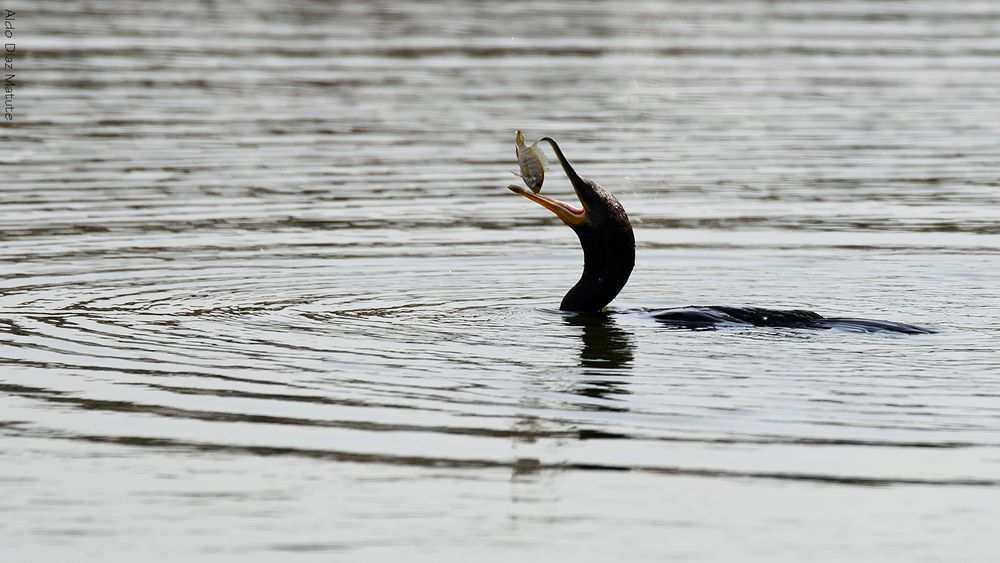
(605, 349)
(605, 344)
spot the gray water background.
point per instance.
(264, 297)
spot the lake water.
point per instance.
(264, 297)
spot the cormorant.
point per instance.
(608, 243)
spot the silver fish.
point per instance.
(532, 162)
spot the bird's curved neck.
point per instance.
(607, 265)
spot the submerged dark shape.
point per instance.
(712, 317)
(608, 243)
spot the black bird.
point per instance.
(608, 243)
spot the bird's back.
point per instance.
(711, 317)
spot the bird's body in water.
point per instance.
(608, 243)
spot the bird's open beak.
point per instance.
(570, 214)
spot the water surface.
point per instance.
(264, 297)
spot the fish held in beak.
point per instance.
(531, 160)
